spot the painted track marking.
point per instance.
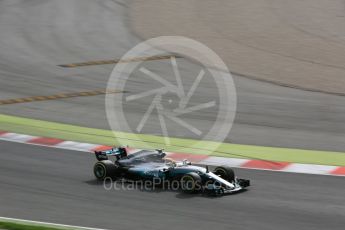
(330, 170)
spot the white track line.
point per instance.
(40, 223)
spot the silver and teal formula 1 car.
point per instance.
(152, 165)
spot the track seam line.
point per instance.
(115, 61)
(58, 96)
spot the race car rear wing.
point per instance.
(119, 153)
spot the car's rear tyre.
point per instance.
(225, 172)
(191, 183)
(104, 169)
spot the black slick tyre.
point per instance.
(225, 172)
(104, 169)
(191, 183)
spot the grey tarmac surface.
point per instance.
(56, 185)
(37, 35)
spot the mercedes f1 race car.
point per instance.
(152, 165)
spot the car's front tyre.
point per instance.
(225, 172)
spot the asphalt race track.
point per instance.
(55, 185)
(36, 36)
